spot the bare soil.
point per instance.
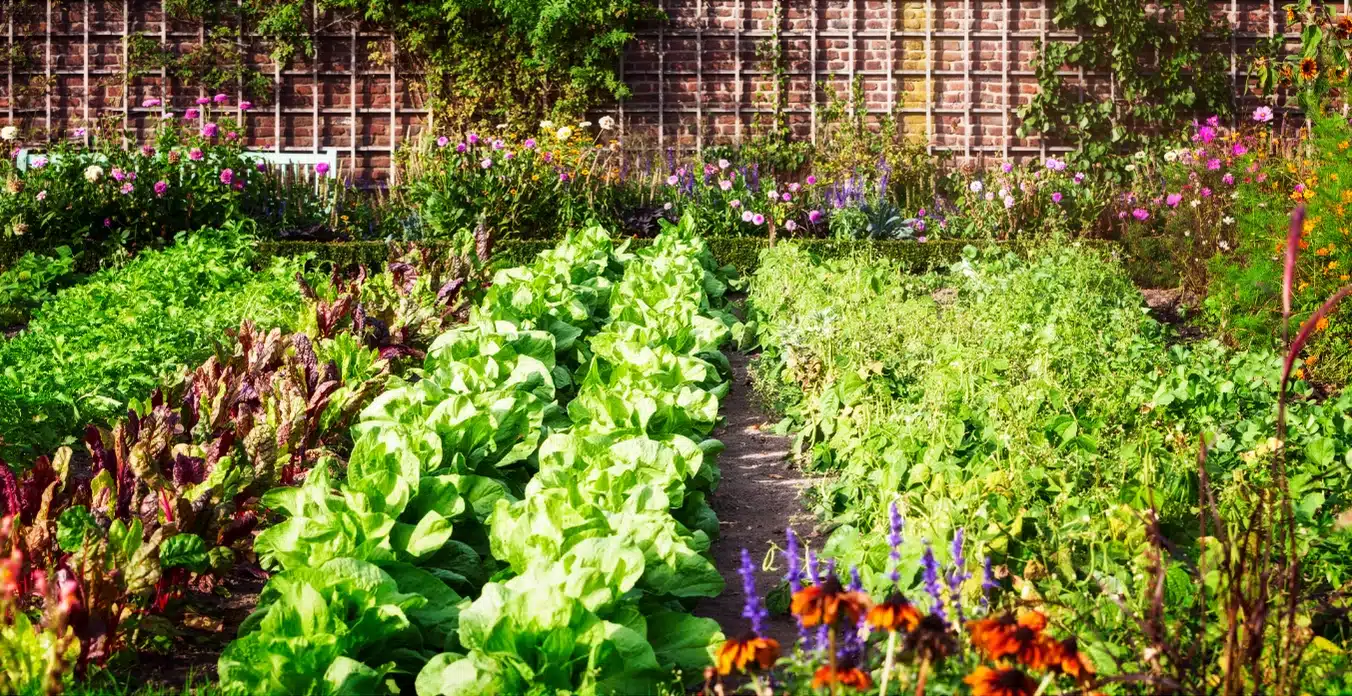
(1174, 307)
(760, 494)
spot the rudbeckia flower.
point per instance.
(737, 654)
(845, 675)
(1022, 639)
(1067, 659)
(823, 604)
(895, 614)
(1000, 682)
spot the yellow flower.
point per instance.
(534, 177)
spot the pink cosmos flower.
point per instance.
(1009, 202)
(1173, 199)
(724, 164)
(127, 188)
(1140, 214)
(758, 219)
(1056, 197)
(245, 106)
(735, 203)
(485, 163)
(746, 216)
(725, 184)
(227, 176)
(1262, 114)
(811, 179)
(814, 216)
(160, 187)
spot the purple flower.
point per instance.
(895, 525)
(1056, 197)
(1009, 202)
(245, 106)
(220, 98)
(119, 174)
(195, 154)
(322, 168)
(920, 213)
(811, 179)
(210, 130)
(1228, 179)
(735, 203)
(988, 582)
(485, 163)
(1079, 177)
(80, 132)
(931, 566)
(529, 144)
(151, 102)
(461, 148)
(754, 610)
(786, 197)
(443, 141)
(920, 225)
(202, 101)
(1206, 192)
(1213, 121)
(672, 180)
(1205, 134)
(1140, 214)
(1172, 200)
(758, 219)
(473, 138)
(957, 576)
(127, 188)
(160, 187)
(1239, 149)
(107, 222)
(814, 216)
(1007, 167)
(227, 176)
(1054, 164)
(498, 144)
(1213, 164)
(1262, 114)
(812, 567)
(191, 114)
(790, 225)
(261, 166)
(38, 162)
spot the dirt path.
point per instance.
(759, 495)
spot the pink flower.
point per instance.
(724, 164)
(1262, 114)
(119, 174)
(203, 100)
(473, 138)
(508, 155)
(1239, 149)
(1214, 121)
(498, 144)
(461, 147)
(42, 195)
(151, 102)
(814, 216)
(1140, 214)
(1228, 179)
(322, 168)
(1007, 167)
(758, 219)
(245, 106)
(191, 114)
(811, 179)
(1206, 192)
(1205, 135)
(1079, 177)
(672, 180)
(529, 144)
(127, 188)
(107, 222)
(1056, 197)
(794, 187)
(80, 132)
(747, 216)
(195, 154)
(1009, 202)
(485, 163)
(38, 162)
(232, 135)
(725, 184)
(785, 197)
(220, 98)
(1173, 199)
(210, 130)
(735, 203)
(443, 141)
(1213, 164)
(160, 187)
(920, 213)
(563, 176)
(790, 225)
(227, 176)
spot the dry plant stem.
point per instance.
(1042, 688)
(888, 662)
(831, 645)
(921, 676)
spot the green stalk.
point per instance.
(888, 663)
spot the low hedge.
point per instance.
(742, 252)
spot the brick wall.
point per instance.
(951, 70)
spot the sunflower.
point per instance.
(895, 614)
(1344, 27)
(1000, 682)
(736, 654)
(1309, 69)
(824, 603)
(1004, 636)
(843, 674)
(1067, 659)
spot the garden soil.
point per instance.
(759, 495)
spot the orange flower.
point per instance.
(1322, 324)
(1344, 27)
(823, 604)
(1000, 682)
(1067, 659)
(1004, 637)
(736, 654)
(895, 614)
(845, 675)
(1309, 69)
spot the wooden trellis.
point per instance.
(952, 71)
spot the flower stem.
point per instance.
(831, 641)
(921, 676)
(1046, 681)
(888, 662)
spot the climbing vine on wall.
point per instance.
(1164, 59)
(480, 60)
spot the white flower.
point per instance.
(563, 134)
(606, 123)
(1224, 245)
(1131, 167)
(1140, 154)
(772, 195)
(584, 124)
(547, 125)
(1196, 202)
(1228, 221)
(93, 173)
(1171, 156)
(1003, 192)
(975, 186)
(501, 126)
(8, 133)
